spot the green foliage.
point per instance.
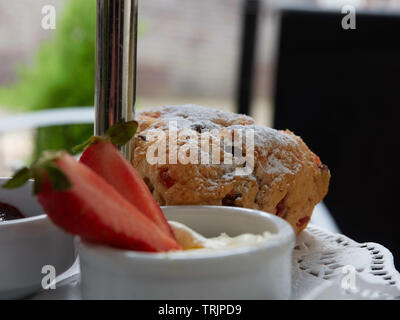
(61, 75)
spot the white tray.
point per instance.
(325, 266)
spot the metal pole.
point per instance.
(116, 41)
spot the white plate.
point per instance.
(258, 271)
(323, 265)
(29, 244)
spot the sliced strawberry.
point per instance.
(108, 162)
(94, 210)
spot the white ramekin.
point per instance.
(28, 244)
(261, 271)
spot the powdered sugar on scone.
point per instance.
(285, 178)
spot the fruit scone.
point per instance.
(193, 155)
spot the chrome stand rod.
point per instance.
(115, 88)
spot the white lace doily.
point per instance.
(322, 261)
(332, 266)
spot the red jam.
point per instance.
(8, 212)
(165, 178)
(302, 222)
(318, 160)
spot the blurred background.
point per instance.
(290, 64)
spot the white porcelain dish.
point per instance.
(28, 244)
(262, 271)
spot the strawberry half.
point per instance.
(103, 157)
(106, 160)
(79, 201)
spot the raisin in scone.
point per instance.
(285, 177)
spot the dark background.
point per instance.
(340, 91)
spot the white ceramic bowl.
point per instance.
(28, 244)
(262, 271)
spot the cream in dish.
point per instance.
(192, 240)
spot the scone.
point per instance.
(285, 178)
